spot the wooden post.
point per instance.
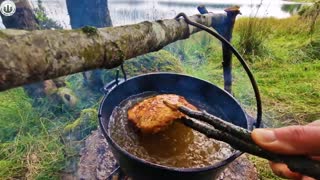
(223, 24)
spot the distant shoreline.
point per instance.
(302, 1)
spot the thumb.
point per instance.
(298, 140)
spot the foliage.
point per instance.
(311, 14)
(191, 51)
(253, 32)
(154, 62)
(43, 20)
(160, 61)
(16, 110)
(291, 8)
(82, 127)
(90, 30)
(310, 1)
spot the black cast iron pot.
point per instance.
(202, 94)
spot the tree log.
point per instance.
(31, 56)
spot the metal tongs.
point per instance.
(240, 139)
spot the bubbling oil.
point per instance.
(177, 146)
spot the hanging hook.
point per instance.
(123, 72)
(117, 77)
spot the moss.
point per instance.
(67, 96)
(71, 127)
(6, 168)
(82, 126)
(137, 26)
(44, 22)
(161, 61)
(93, 53)
(90, 30)
(262, 165)
(3, 35)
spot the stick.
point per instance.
(214, 121)
(240, 139)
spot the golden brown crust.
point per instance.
(152, 115)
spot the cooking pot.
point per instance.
(203, 94)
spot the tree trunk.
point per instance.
(90, 13)
(23, 18)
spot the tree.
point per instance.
(90, 13)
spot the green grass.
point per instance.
(288, 76)
(32, 157)
(30, 146)
(312, 1)
(287, 71)
(263, 168)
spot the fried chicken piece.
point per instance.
(152, 115)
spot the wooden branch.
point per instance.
(240, 139)
(30, 56)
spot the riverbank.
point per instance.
(303, 1)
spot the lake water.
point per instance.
(133, 11)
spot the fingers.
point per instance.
(317, 158)
(303, 140)
(314, 123)
(283, 171)
(307, 178)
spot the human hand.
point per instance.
(291, 140)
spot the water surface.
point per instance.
(134, 11)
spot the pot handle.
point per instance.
(116, 81)
(239, 57)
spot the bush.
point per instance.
(252, 34)
(311, 14)
(43, 20)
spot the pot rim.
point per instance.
(105, 131)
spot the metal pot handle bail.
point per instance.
(239, 57)
(116, 81)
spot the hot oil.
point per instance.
(177, 146)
